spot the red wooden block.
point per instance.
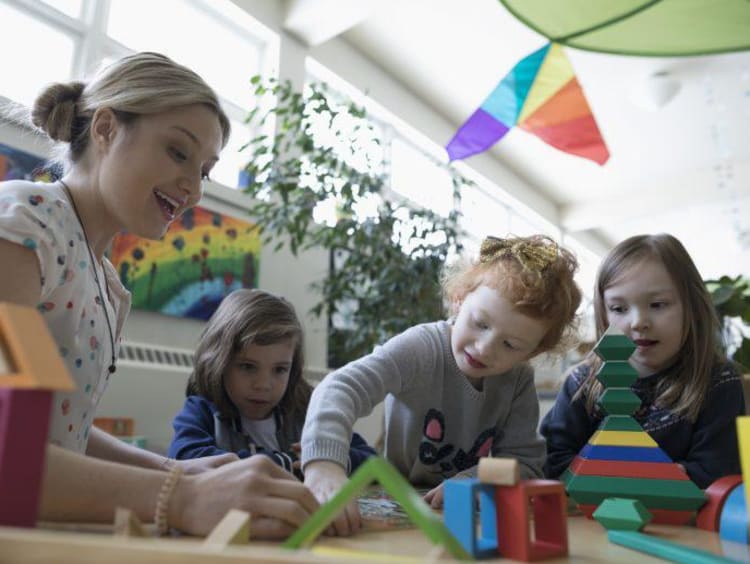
(627, 469)
(717, 493)
(660, 516)
(547, 498)
(24, 423)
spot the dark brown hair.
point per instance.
(534, 273)
(248, 317)
(701, 345)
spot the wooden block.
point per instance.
(620, 423)
(379, 469)
(743, 436)
(127, 524)
(622, 438)
(734, 521)
(660, 516)
(610, 452)
(627, 469)
(460, 515)
(663, 549)
(499, 471)
(122, 426)
(234, 528)
(717, 493)
(680, 495)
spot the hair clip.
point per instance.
(532, 256)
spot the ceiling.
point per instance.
(683, 168)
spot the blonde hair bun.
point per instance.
(55, 109)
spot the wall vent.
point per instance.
(153, 356)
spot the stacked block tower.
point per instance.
(621, 460)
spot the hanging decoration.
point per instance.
(541, 94)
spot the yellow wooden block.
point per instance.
(623, 438)
(743, 437)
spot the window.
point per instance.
(81, 35)
(420, 178)
(28, 69)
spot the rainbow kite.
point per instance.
(541, 95)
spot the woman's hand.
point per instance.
(278, 502)
(325, 479)
(435, 497)
(199, 465)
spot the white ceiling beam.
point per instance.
(698, 187)
(316, 21)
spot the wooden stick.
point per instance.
(127, 524)
(234, 528)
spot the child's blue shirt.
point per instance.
(707, 448)
(200, 430)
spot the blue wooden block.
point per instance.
(635, 454)
(460, 515)
(733, 524)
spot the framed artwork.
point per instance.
(203, 257)
(16, 164)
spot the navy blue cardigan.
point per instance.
(707, 448)
(200, 430)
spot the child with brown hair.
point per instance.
(246, 394)
(649, 288)
(454, 390)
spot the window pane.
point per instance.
(224, 56)
(26, 69)
(483, 215)
(231, 162)
(420, 179)
(71, 8)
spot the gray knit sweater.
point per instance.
(436, 423)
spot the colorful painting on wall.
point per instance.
(203, 257)
(15, 165)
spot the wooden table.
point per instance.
(588, 544)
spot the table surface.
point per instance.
(587, 543)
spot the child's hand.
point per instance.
(279, 503)
(198, 465)
(435, 497)
(325, 479)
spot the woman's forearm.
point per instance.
(107, 447)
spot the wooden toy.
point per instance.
(33, 369)
(549, 507)
(733, 523)
(461, 499)
(380, 470)
(743, 438)
(233, 529)
(499, 471)
(127, 524)
(620, 514)
(717, 493)
(620, 459)
(664, 549)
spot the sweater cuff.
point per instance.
(325, 449)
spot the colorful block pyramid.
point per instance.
(621, 460)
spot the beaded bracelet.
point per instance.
(162, 500)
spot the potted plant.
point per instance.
(385, 255)
(731, 298)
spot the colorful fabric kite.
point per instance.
(541, 95)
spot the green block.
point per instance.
(616, 513)
(565, 476)
(619, 401)
(614, 345)
(135, 440)
(681, 495)
(619, 423)
(664, 549)
(617, 374)
(380, 470)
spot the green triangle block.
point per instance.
(619, 423)
(620, 514)
(380, 470)
(619, 401)
(614, 345)
(617, 374)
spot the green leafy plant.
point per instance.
(385, 255)
(731, 298)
